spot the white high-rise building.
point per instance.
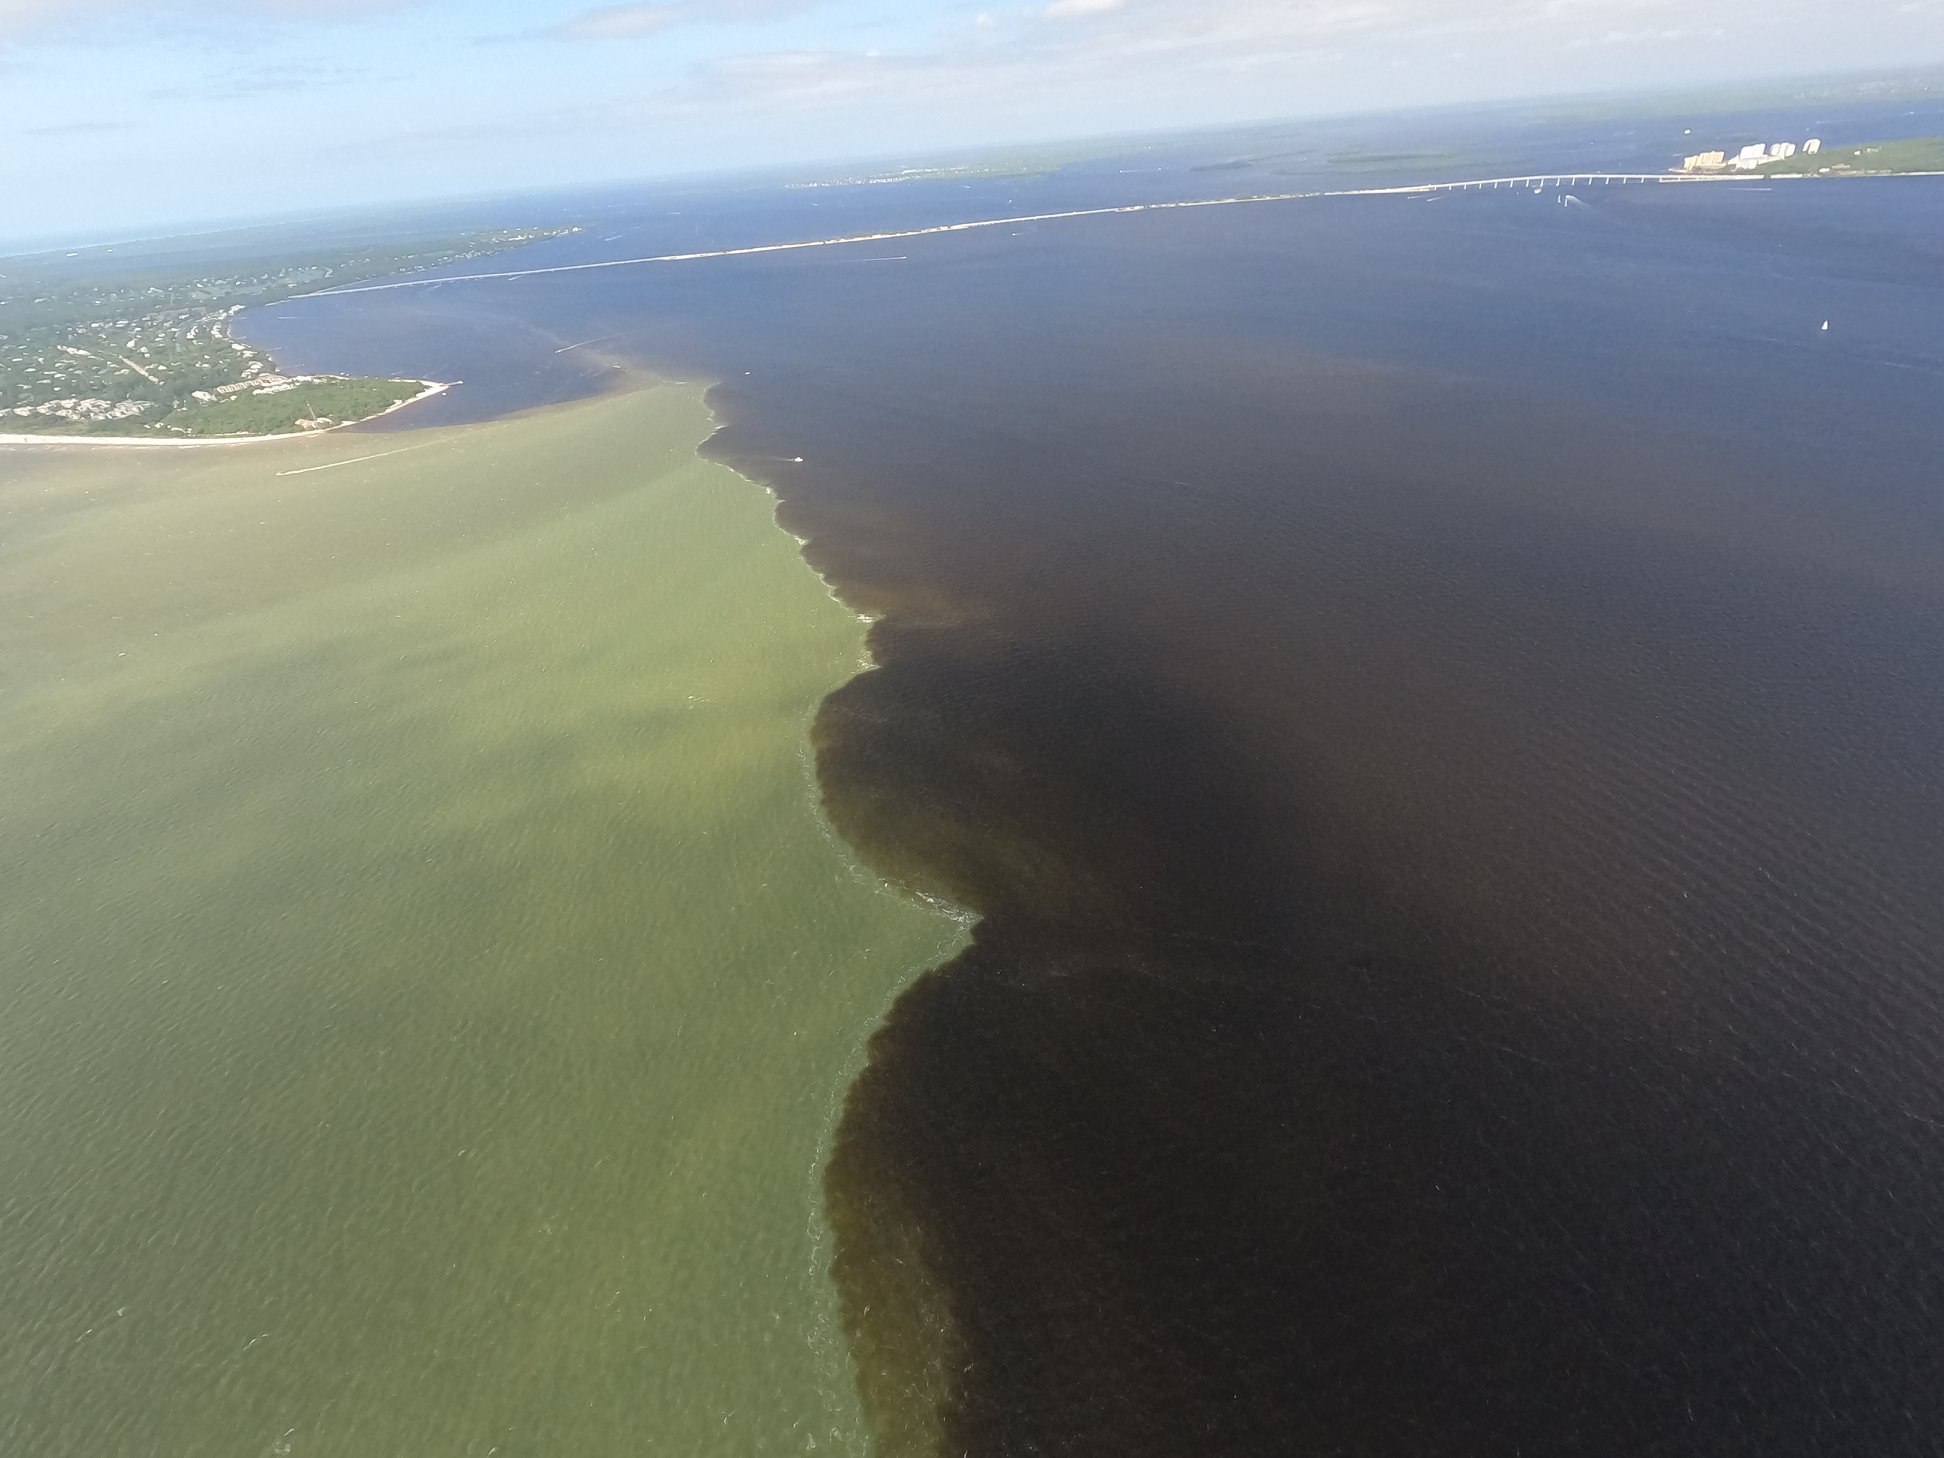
(1782, 149)
(1753, 152)
(1814, 144)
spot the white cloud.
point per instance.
(1154, 61)
(20, 14)
(30, 20)
(1082, 7)
(1066, 66)
(625, 22)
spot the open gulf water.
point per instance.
(1435, 705)
(429, 989)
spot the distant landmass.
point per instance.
(1812, 159)
(1867, 159)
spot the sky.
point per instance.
(120, 117)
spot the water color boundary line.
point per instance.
(1550, 179)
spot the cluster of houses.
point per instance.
(26, 371)
(259, 383)
(78, 410)
(1749, 157)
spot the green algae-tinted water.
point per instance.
(428, 985)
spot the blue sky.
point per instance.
(133, 115)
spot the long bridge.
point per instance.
(1541, 181)
(1534, 183)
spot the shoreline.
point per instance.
(434, 387)
(124, 442)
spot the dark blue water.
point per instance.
(1438, 705)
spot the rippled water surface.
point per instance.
(1434, 704)
(428, 988)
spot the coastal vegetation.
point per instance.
(100, 343)
(304, 402)
(1867, 159)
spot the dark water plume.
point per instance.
(1453, 964)
(1210, 1145)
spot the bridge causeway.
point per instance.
(1535, 183)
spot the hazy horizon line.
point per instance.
(1730, 97)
